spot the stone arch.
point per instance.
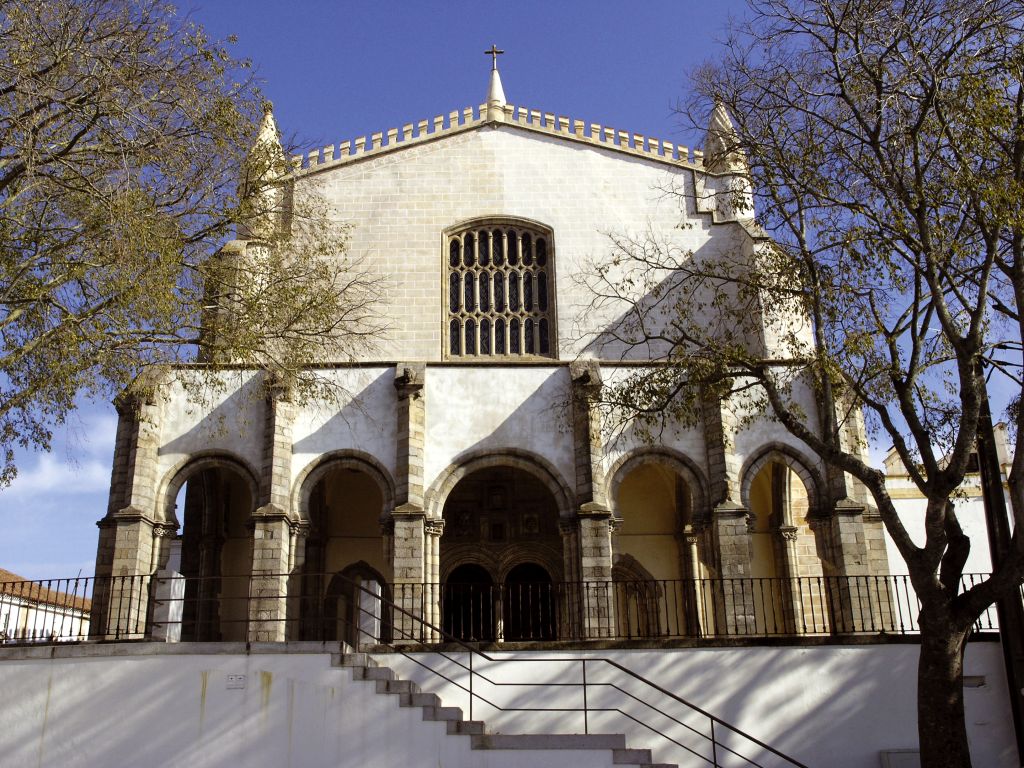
(194, 463)
(215, 542)
(349, 613)
(341, 459)
(797, 462)
(435, 497)
(672, 460)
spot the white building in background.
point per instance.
(970, 506)
(42, 611)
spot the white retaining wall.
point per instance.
(178, 705)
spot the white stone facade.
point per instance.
(380, 478)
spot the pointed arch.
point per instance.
(800, 464)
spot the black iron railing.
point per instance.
(298, 607)
(597, 690)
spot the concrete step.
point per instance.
(631, 756)
(386, 681)
(397, 686)
(550, 741)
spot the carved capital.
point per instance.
(409, 378)
(434, 527)
(165, 530)
(788, 532)
(586, 378)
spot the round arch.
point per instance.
(341, 459)
(435, 497)
(796, 461)
(180, 473)
(675, 462)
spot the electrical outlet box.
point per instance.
(236, 681)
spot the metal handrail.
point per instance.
(715, 743)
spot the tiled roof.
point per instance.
(48, 591)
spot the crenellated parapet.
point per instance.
(472, 117)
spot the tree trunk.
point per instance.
(941, 727)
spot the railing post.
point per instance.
(586, 716)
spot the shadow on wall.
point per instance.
(237, 418)
(671, 284)
(366, 421)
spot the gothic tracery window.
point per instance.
(500, 291)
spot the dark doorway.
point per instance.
(529, 604)
(468, 604)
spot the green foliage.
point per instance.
(125, 134)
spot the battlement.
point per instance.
(458, 120)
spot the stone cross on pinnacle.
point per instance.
(494, 53)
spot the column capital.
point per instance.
(593, 509)
(408, 510)
(434, 527)
(847, 507)
(271, 512)
(788, 532)
(131, 514)
(409, 379)
(728, 509)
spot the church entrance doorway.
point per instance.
(529, 605)
(468, 604)
(499, 549)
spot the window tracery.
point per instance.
(500, 291)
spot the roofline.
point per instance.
(471, 118)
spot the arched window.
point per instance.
(500, 291)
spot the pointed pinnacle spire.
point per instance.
(267, 136)
(722, 152)
(495, 93)
(264, 168)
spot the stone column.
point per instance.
(273, 521)
(586, 394)
(409, 566)
(571, 610)
(408, 545)
(434, 530)
(127, 554)
(856, 597)
(793, 608)
(720, 425)
(694, 586)
(594, 524)
(268, 598)
(734, 595)
(594, 534)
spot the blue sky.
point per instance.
(338, 70)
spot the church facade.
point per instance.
(464, 470)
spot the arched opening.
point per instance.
(344, 509)
(528, 601)
(216, 506)
(467, 604)
(353, 608)
(655, 591)
(496, 518)
(788, 590)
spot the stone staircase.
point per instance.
(500, 750)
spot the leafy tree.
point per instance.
(881, 144)
(128, 154)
